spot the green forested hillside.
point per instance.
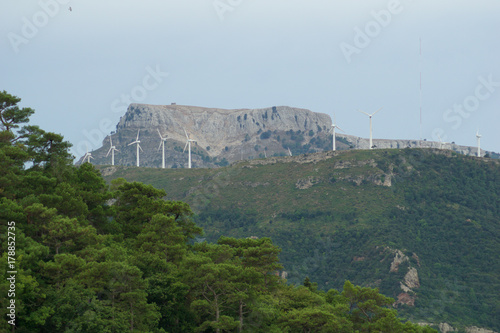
(79, 255)
(350, 215)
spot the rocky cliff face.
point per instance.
(220, 128)
(223, 136)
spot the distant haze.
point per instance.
(80, 69)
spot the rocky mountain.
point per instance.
(223, 136)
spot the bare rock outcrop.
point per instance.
(445, 328)
(411, 279)
(474, 329)
(405, 298)
(399, 258)
(308, 182)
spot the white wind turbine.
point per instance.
(112, 150)
(188, 144)
(162, 145)
(87, 155)
(138, 146)
(334, 126)
(478, 136)
(370, 116)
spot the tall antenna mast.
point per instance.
(420, 68)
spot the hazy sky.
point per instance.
(79, 69)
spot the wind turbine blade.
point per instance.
(185, 146)
(364, 113)
(187, 137)
(159, 134)
(377, 111)
(110, 141)
(160, 145)
(109, 151)
(137, 135)
(140, 147)
(132, 143)
(340, 129)
(116, 149)
(334, 119)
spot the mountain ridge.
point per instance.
(227, 135)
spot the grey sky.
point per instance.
(75, 66)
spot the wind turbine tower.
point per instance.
(334, 126)
(138, 146)
(88, 156)
(162, 145)
(370, 116)
(478, 136)
(188, 144)
(112, 151)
